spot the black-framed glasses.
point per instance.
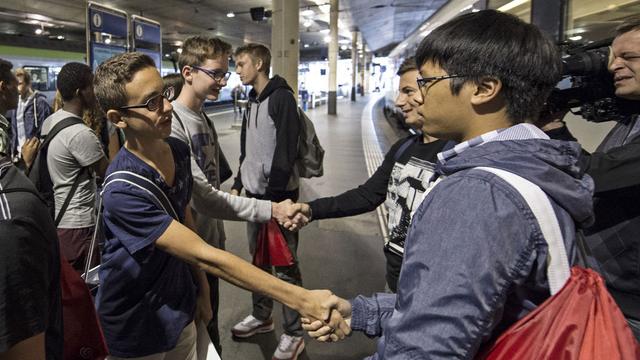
(216, 75)
(155, 102)
(422, 82)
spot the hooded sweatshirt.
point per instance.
(475, 258)
(35, 109)
(269, 143)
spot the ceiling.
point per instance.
(383, 23)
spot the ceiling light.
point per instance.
(60, 37)
(307, 23)
(306, 45)
(179, 50)
(307, 12)
(511, 5)
(343, 47)
(327, 39)
(107, 40)
(230, 14)
(39, 31)
(575, 38)
(325, 31)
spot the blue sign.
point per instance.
(99, 53)
(105, 21)
(146, 32)
(153, 54)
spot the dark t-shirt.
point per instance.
(401, 183)
(29, 266)
(147, 296)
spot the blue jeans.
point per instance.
(635, 327)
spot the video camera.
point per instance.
(587, 84)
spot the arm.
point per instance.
(364, 198)
(615, 169)
(284, 112)
(183, 243)
(203, 309)
(236, 188)
(469, 246)
(28, 349)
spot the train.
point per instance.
(44, 65)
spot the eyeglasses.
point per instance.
(422, 82)
(216, 75)
(155, 102)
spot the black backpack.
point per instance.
(39, 172)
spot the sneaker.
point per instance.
(289, 347)
(251, 326)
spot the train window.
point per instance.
(39, 77)
(593, 20)
(519, 8)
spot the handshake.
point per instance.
(336, 312)
(292, 216)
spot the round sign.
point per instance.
(97, 20)
(139, 31)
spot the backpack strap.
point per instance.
(63, 124)
(22, 189)
(558, 270)
(157, 195)
(405, 145)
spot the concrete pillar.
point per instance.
(354, 63)
(362, 58)
(285, 47)
(368, 60)
(333, 57)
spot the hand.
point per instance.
(235, 192)
(339, 325)
(292, 216)
(203, 309)
(29, 151)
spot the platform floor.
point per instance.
(344, 255)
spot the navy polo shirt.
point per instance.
(146, 296)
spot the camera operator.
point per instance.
(614, 240)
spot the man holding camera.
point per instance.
(615, 168)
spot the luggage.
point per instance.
(580, 321)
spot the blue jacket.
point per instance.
(475, 257)
(36, 111)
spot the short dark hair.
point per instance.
(197, 49)
(5, 70)
(114, 74)
(630, 24)
(72, 77)
(490, 43)
(176, 80)
(407, 65)
(256, 51)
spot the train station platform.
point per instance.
(343, 255)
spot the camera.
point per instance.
(588, 85)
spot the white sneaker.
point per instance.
(250, 326)
(289, 347)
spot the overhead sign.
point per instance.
(147, 38)
(107, 33)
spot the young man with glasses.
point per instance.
(475, 258)
(204, 65)
(268, 150)
(152, 276)
(75, 153)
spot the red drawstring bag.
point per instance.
(580, 321)
(83, 337)
(271, 247)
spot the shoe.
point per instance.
(251, 326)
(289, 347)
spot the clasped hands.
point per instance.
(336, 313)
(292, 216)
